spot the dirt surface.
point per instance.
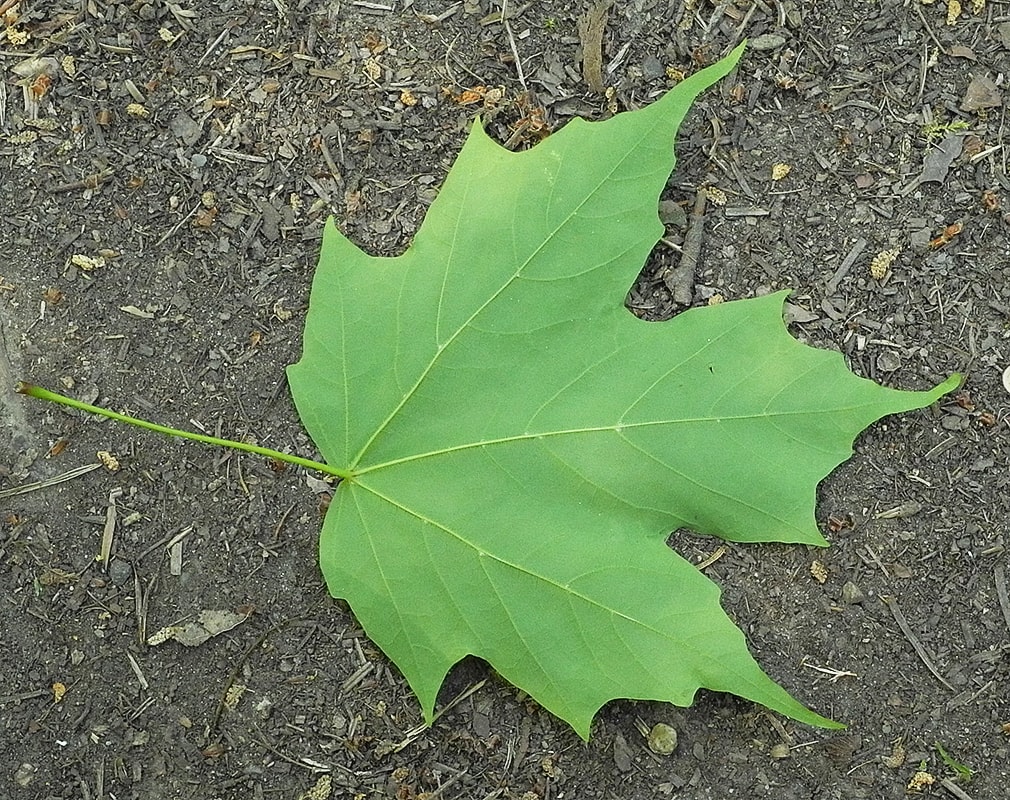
(163, 190)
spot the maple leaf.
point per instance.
(516, 447)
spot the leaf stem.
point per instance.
(44, 394)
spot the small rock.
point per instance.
(186, 128)
(672, 213)
(779, 751)
(120, 571)
(888, 361)
(767, 41)
(622, 753)
(652, 68)
(1004, 34)
(662, 739)
(25, 774)
(852, 594)
(982, 93)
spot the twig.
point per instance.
(238, 668)
(171, 231)
(1001, 593)
(929, 30)
(412, 735)
(954, 789)
(88, 182)
(844, 267)
(892, 604)
(109, 532)
(166, 542)
(718, 553)
(512, 44)
(680, 279)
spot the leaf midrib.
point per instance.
(616, 428)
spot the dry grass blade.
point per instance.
(34, 487)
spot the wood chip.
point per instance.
(591, 27)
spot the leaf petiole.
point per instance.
(44, 394)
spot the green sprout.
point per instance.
(934, 130)
(963, 772)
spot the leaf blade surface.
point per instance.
(520, 446)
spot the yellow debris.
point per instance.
(882, 262)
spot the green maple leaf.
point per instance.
(516, 447)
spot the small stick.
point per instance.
(1001, 593)
(892, 604)
(680, 279)
(88, 182)
(109, 533)
(954, 789)
(512, 44)
(844, 267)
(233, 676)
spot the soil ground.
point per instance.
(199, 210)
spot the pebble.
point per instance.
(767, 41)
(662, 739)
(120, 571)
(852, 594)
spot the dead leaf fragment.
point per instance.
(960, 51)
(982, 93)
(819, 571)
(372, 69)
(937, 161)
(31, 67)
(946, 235)
(901, 511)
(209, 624)
(716, 196)
(779, 750)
